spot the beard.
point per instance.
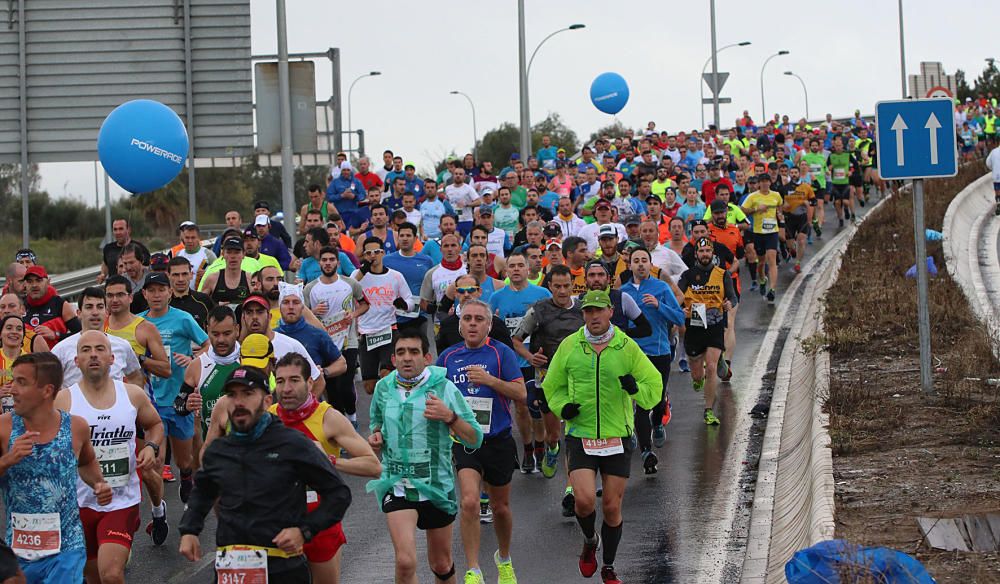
(246, 424)
(272, 294)
(326, 273)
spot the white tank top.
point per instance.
(442, 278)
(112, 432)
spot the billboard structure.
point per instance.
(64, 66)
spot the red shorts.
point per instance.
(101, 527)
(325, 544)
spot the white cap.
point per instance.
(285, 290)
(345, 165)
(261, 220)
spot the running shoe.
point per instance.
(817, 228)
(549, 462)
(539, 457)
(528, 462)
(506, 570)
(698, 384)
(168, 474)
(753, 285)
(682, 365)
(649, 462)
(785, 252)
(485, 512)
(474, 577)
(588, 557)
(809, 239)
(770, 296)
(862, 201)
(729, 372)
(568, 503)
(763, 286)
(608, 575)
(840, 222)
(187, 485)
(722, 368)
(668, 413)
(158, 528)
(659, 436)
(710, 418)
(797, 268)
(600, 492)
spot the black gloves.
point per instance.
(366, 266)
(180, 402)
(628, 384)
(570, 411)
(400, 304)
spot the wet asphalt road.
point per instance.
(673, 525)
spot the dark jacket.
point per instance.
(260, 486)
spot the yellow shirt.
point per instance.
(766, 222)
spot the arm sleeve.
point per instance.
(203, 496)
(640, 327)
(630, 307)
(556, 383)
(527, 325)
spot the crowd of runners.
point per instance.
(522, 318)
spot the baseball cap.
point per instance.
(262, 205)
(719, 205)
(515, 156)
(250, 233)
(602, 204)
(250, 376)
(485, 210)
(158, 262)
(256, 350)
(607, 231)
(156, 279)
(409, 165)
(654, 198)
(187, 225)
(632, 219)
(703, 242)
(508, 174)
(345, 165)
(596, 299)
(552, 229)
(261, 220)
(700, 222)
(563, 150)
(256, 298)
(36, 271)
(233, 243)
(553, 241)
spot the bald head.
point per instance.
(94, 358)
(15, 277)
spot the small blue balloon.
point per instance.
(609, 93)
(142, 145)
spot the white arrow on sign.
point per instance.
(898, 126)
(932, 126)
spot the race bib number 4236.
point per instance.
(35, 535)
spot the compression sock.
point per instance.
(587, 525)
(611, 537)
(752, 266)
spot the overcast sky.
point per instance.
(847, 52)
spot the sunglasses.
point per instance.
(369, 252)
(467, 289)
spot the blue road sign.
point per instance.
(916, 138)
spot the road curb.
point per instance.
(794, 494)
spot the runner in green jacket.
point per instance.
(592, 381)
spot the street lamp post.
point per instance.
(524, 66)
(804, 91)
(763, 107)
(475, 135)
(902, 52)
(350, 126)
(705, 68)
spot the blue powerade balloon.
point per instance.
(609, 93)
(142, 145)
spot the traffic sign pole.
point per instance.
(923, 308)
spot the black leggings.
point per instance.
(643, 425)
(340, 390)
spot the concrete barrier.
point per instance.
(794, 495)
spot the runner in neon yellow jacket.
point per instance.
(578, 375)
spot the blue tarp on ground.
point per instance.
(827, 561)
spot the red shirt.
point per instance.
(369, 180)
(708, 189)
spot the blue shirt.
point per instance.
(432, 249)
(322, 350)
(415, 185)
(550, 201)
(274, 247)
(431, 213)
(413, 269)
(498, 360)
(179, 330)
(309, 270)
(547, 157)
(685, 211)
(511, 306)
(660, 318)
(335, 192)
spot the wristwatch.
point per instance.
(154, 446)
(307, 533)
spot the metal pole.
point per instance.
(763, 107)
(715, 69)
(923, 310)
(522, 72)
(704, 68)
(97, 189)
(338, 122)
(284, 94)
(350, 127)
(804, 90)
(189, 108)
(475, 135)
(22, 41)
(107, 207)
(902, 52)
